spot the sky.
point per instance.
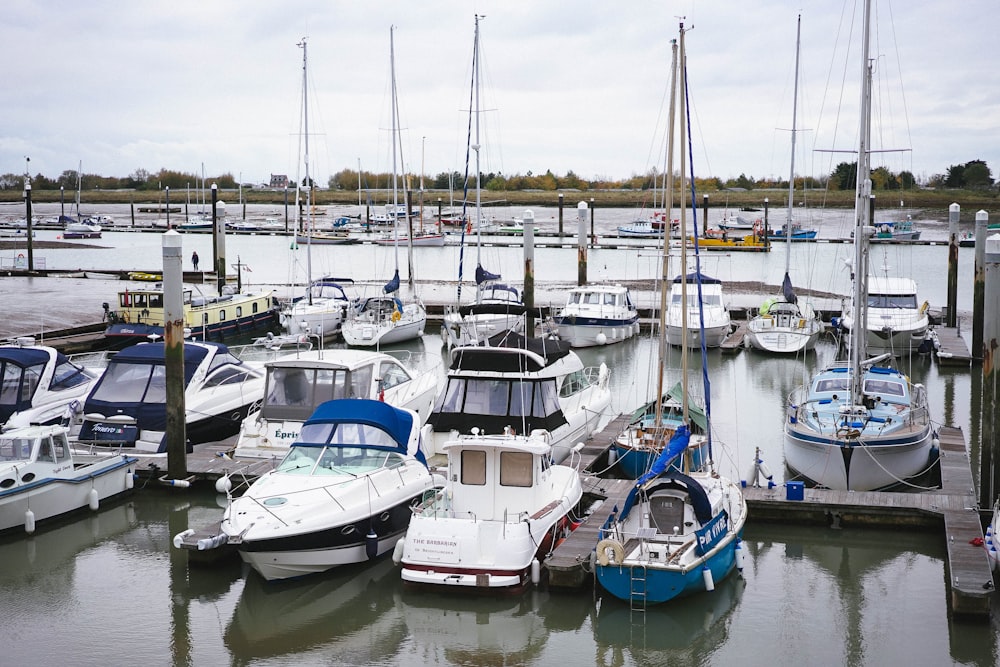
(581, 86)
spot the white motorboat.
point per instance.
(42, 478)
(498, 307)
(897, 322)
(502, 510)
(127, 406)
(342, 495)
(298, 383)
(82, 229)
(717, 323)
(597, 315)
(40, 385)
(528, 385)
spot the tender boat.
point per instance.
(342, 495)
(502, 510)
(528, 385)
(127, 406)
(42, 478)
(140, 314)
(597, 315)
(40, 385)
(298, 383)
(717, 323)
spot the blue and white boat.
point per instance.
(676, 534)
(799, 233)
(343, 494)
(39, 385)
(597, 315)
(858, 426)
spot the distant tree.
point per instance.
(977, 175)
(907, 180)
(955, 177)
(844, 177)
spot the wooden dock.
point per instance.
(733, 343)
(952, 348)
(953, 506)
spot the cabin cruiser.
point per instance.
(39, 384)
(298, 383)
(127, 407)
(717, 323)
(598, 315)
(524, 385)
(343, 493)
(897, 323)
(41, 477)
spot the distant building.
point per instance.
(278, 181)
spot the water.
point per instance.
(108, 588)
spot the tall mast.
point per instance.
(682, 67)
(475, 147)
(395, 196)
(791, 169)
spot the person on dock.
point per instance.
(194, 259)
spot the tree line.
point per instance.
(972, 175)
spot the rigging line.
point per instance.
(474, 80)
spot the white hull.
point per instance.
(275, 565)
(363, 331)
(474, 329)
(321, 318)
(713, 335)
(783, 339)
(595, 335)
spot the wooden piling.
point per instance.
(954, 212)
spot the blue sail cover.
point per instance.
(392, 285)
(787, 291)
(678, 443)
(482, 275)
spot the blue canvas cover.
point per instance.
(13, 362)
(482, 275)
(394, 421)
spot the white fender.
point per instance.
(536, 571)
(29, 522)
(741, 555)
(706, 574)
(93, 500)
(397, 551)
(179, 537)
(224, 484)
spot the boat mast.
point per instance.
(791, 169)
(682, 69)
(862, 203)
(305, 139)
(395, 195)
(475, 147)
(665, 267)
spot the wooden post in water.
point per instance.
(27, 218)
(953, 214)
(131, 208)
(218, 242)
(581, 243)
(560, 215)
(62, 200)
(593, 237)
(173, 350)
(989, 481)
(167, 191)
(529, 277)
(704, 216)
(978, 295)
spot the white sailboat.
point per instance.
(783, 325)
(386, 319)
(858, 426)
(322, 309)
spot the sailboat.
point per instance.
(322, 309)
(782, 325)
(859, 426)
(678, 530)
(498, 306)
(385, 319)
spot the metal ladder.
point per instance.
(637, 587)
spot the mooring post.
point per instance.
(218, 242)
(704, 216)
(173, 350)
(581, 243)
(982, 222)
(560, 215)
(27, 218)
(593, 237)
(954, 212)
(529, 277)
(990, 477)
(167, 191)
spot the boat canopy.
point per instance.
(696, 277)
(354, 422)
(509, 352)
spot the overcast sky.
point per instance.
(119, 86)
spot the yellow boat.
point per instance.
(149, 277)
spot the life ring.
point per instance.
(468, 227)
(616, 556)
(20, 255)
(396, 315)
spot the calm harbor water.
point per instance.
(108, 588)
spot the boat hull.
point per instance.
(591, 332)
(714, 335)
(123, 334)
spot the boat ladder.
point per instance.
(637, 588)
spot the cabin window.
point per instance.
(573, 383)
(125, 299)
(124, 383)
(228, 375)
(239, 311)
(289, 386)
(139, 300)
(839, 384)
(327, 385)
(254, 306)
(486, 397)
(156, 300)
(609, 299)
(60, 447)
(574, 297)
(452, 397)
(67, 375)
(473, 468)
(15, 449)
(515, 469)
(361, 382)
(392, 375)
(521, 399)
(594, 299)
(892, 301)
(45, 452)
(204, 318)
(666, 512)
(883, 388)
(222, 315)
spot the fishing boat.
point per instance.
(782, 325)
(643, 229)
(385, 319)
(127, 407)
(798, 233)
(678, 530)
(527, 385)
(498, 306)
(42, 478)
(343, 494)
(597, 314)
(859, 426)
(696, 297)
(889, 231)
(298, 383)
(40, 385)
(140, 314)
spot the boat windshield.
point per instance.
(492, 404)
(18, 383)
(16, 449)
(892, 301)
(294, 393)
(337, 459)
(132, 383)
(68, 375)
